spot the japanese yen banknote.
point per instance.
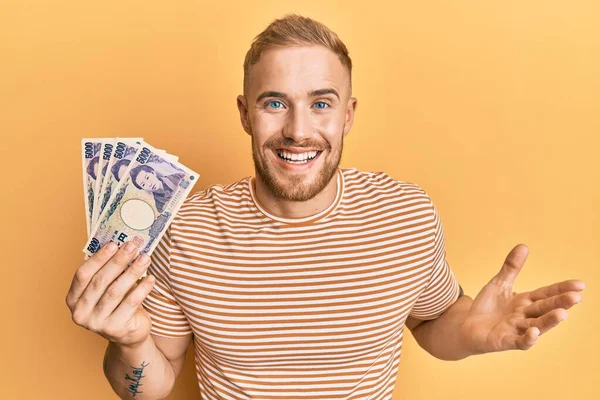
(132, 192)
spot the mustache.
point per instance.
(276, 143)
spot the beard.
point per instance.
(296, 189)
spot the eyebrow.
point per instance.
(314, 93)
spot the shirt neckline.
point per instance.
(305, 220)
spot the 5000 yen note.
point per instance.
(123, 152)
(144, 203)
(90, 151)
(106, 150)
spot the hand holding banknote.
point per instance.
(132, 192)
(101, 299)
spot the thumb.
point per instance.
(512, 265)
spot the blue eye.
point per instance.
(274, 101)
(323, 103)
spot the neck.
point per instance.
(295, 209)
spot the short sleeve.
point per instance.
(442, 289)
(167, 317)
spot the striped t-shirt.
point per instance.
(310, 308)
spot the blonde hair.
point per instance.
(295, 30)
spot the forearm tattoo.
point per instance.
(135, 381)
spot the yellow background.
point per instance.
(493, 107)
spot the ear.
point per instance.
(350, 110)
(242, 106)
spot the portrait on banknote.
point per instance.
(160, 185)
(119, 168)
(148, 187)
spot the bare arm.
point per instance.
(498, 319)
(441, 337)
(144, 371)
(105, 298)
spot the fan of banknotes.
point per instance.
(132, 192)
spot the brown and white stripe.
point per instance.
(310, 308)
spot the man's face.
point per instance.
(148, 181)
(297, 109)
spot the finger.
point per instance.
(87, 270)
(117, 291)
(541, 307)
(545, 322)
(525, 341)
(128, 307)
(512, 266)
(571, 285)
(521, 341)
(105, 276)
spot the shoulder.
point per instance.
(355, 180)
(403, 204)
(226, 195)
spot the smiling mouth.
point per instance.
(298, 158)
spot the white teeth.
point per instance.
(302, 157)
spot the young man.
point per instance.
(298, 282)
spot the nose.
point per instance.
(297, 126)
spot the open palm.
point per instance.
(500, 319)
